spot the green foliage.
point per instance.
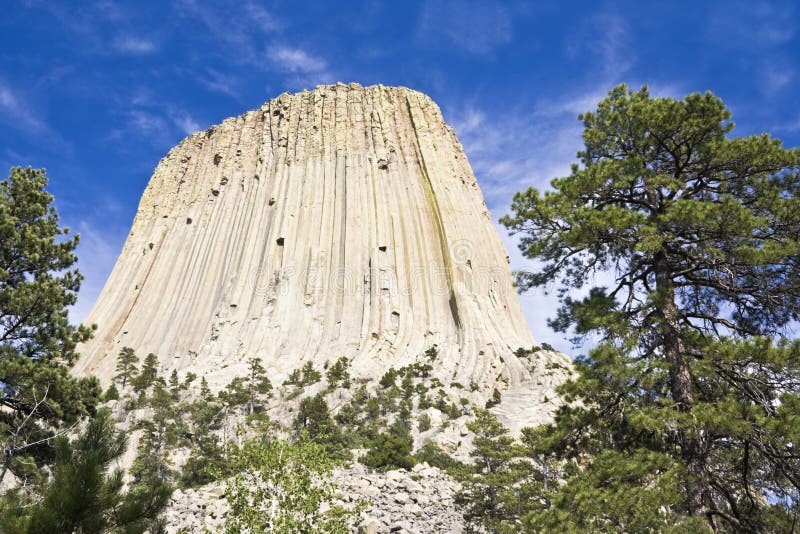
(310, 375)
(431, 353)
(605, 500)
(436, 457)
(495, 400)
(339, 374)
(83, 496)
(389, 378)
(423, 423)
(294, 378)
(207, 461)
(305, 376)
(281, 487)
(505, 483)
(360, 419)
(314, 421)
(160, 433)
(205, 391)
(38, 396)
(174, 383)
(148, 374)
(189, 379)
(683, 420)
(246, 391)
(126, 368)
(257, 381)
(235, 394)
(389, 450)
(446, 407)
(111, 393)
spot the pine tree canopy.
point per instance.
(688, 402)
(84, 494)
(38, 283)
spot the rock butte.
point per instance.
(343, 221)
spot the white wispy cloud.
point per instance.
(762, 35)
(296, 60)
(475, 26)
(146, 122)
(134, 45)
(218, 82)
(304, 69)
(606, 37)
(18, 113)
(776, 76)
(162, 126)
(236, 30)
(752, 26)
(791, 126)
(185, 123)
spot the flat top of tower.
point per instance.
(352, 86)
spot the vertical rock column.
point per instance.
(343, 221)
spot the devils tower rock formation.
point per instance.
(343, 221)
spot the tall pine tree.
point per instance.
(38, 282)
(126, 368)
(688, 402)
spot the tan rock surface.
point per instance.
(343, 221)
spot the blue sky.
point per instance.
(98, 91)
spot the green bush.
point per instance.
(495, 400)
(315, 422)
(339, 373)
(389, 451)
(424, 423)
(436, 457)
(111, 393)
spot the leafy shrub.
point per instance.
(436, 457)
(281, 486)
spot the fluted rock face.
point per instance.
(343, 221)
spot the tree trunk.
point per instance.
(681, 387)
(6, 465)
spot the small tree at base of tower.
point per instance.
(126, 369)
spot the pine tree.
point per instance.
(207, 461)
(160, 433)
(687, 402)
(126, 368)
(148, 375)
(38, 282)
(310, 375)
(339, 373)
(314, 419)
(83, 496)
(490, 491)
(257, 382)
(205, 391)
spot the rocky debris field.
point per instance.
(398, 501)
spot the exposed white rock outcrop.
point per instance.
(343, 221)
